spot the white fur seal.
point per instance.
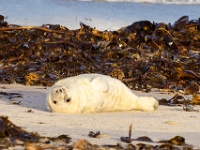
(88, 93)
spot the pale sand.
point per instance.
(162, 124)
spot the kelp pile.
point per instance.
(144, 55)
(12, 136)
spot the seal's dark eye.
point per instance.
(55, 102)
(68, 100)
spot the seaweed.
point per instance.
(12, 136)
(143, 55)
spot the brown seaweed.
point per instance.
(93, 134)
(127, 139)
(12, 136)
(10, 95)
(143, 55)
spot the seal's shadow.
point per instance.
(31, 99)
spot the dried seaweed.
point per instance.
(176, 142)
(189, 108)
(127, 139)
(12, 136)
(10, 95)
(195, 100)
(147, 55)
(93, 134)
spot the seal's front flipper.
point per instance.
(100, 84)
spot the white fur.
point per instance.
(88, 93)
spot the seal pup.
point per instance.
(89, 93)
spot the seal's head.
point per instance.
(60, 100)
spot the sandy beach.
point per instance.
(26, 105)
(28, 110)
